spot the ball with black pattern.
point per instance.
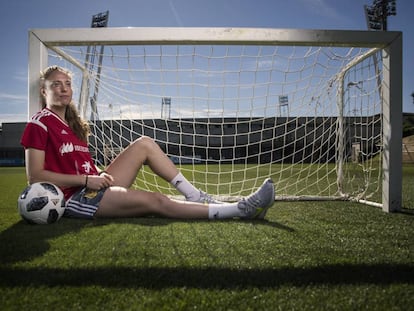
(41, 203)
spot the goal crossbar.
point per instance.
(175, 35)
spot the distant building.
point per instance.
(11, 152)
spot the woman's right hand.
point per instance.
(97, 182)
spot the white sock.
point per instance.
(181, 183)
(223, 211)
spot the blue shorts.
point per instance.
(84, 203)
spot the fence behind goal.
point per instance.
(319, 111)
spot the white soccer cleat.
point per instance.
(257, 204)
(206, 198)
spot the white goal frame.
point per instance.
(40, 40)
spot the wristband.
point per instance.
(101, 172)
(86, 181)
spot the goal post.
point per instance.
(320, 111)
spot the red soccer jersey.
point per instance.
(64, 152)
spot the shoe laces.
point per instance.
(206, 198)
(251, 204)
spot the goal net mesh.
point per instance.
(231, 115)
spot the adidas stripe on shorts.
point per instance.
(84, 203)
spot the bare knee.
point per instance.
(144, 142)
(121, 202)
(161, 204)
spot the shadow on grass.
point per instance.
(205, 278)
(23, 242)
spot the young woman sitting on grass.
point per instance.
(56, 148)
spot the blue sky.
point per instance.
(18, 16)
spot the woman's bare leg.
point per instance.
(146, 151)
(142, 151)
(122, 202)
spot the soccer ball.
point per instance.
(41, 203)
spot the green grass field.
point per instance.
(304, 256)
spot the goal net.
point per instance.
(311, 109)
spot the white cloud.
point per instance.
(21, 76)
(13, 108)
(12, 118)
(13, 97)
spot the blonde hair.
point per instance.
(79, 126)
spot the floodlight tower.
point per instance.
(283, 105)
(98, 21)
(166, 108)
(377, 13)
(376, 16)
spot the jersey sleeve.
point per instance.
(34, 135)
